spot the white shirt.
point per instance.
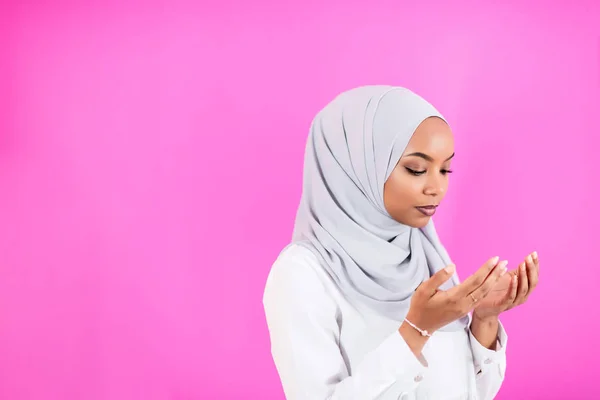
(326, 348)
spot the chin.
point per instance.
(414, 221)
(418, 223)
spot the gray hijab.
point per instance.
(354, 144)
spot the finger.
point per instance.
(536, 261)
(489, 283)
(475, 280)
(431, 285)
(512, 293)
(532, 274)
(523, 284)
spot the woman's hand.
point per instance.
(431, 308)
(513, 290)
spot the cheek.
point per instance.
(406, 186)
(400, 193)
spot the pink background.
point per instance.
(150, 161)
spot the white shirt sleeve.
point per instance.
(490, 365)
(304, 332)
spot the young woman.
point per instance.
(365, 302)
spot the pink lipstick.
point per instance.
(427, 210)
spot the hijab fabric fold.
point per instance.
(353, 146)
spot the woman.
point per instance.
(365, 303)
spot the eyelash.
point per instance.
(419, 173)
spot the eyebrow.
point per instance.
(425, 156)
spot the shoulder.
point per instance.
(296, 279)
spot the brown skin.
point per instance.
(517, 285)
(403, 191)
(421, 179)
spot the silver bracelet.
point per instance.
(423, 332)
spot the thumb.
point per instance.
(439, 278)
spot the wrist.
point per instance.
(485, 319)
(486, 330)
(413, 338)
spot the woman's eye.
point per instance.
(415, 172)
(418, 173)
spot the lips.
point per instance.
(427, 210)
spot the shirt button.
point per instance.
(418, 378)
(488, 361)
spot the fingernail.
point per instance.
(503, 265)
(535, 255)
(450, 268)
(523, 267)
(503, 271)
(495, 260)
(515, 278)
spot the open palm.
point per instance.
(512, 289)
(498, 294)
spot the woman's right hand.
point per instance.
(431, 308)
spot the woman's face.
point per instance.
(419, 182)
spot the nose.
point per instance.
(434, 186)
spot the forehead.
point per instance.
(433, 137)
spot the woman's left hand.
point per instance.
(511, 291)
